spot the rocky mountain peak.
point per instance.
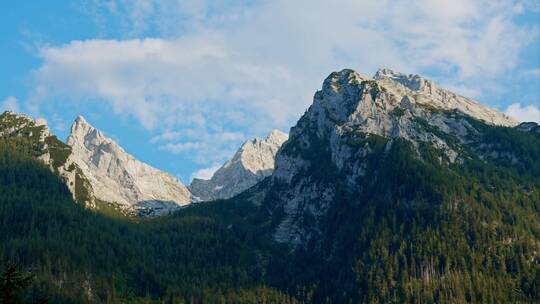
(390, 104)
(337, 80)
(411, 81)
(276, 137)
(47, 148)
(253, 161)
(347, 96)
(81, 126)
(117, 177)
(349, 117)
(83, 133)
(425, 92)
(257, 155)
(11, 122)
(80, 120)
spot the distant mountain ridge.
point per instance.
(100, 173)
(392, 190)
(352, 110)
(389, 104)
(253, 161)
(117, 177)
(35, 137)
(388, 189)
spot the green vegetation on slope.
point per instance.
(81, 256)
(417, 230)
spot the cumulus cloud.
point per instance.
(217, 68)
(157, 79)
(204, 147)
(10, 104)
(523, 113)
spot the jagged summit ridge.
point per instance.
(253, 161)
(409, 89)
(118, 177)
(47, 148)
(18, 121)
(82, 133)
(276, 137)
(257, 155)
(411, 81)
(350, 112)
(425, 91)
(375, 158)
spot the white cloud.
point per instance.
(218, 67)
(179, 148)
(166, 136)
(205, 173)
(10, 104)
(523, 114)
(202, 147)
(155, 80)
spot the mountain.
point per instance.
(400, 191)
(250, 164)
(389, 189)
(351, 117)
(35, 138)
(97, 171)
(76, 255)
(117, 177)
(424, 91)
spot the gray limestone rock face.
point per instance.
(250, 164)
(51, 151)
(117, 177)
(330, 143)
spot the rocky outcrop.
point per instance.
(252, 162)
(424, 91)
(119, 178)
(353, 115)
(42, 144)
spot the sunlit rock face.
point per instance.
(329, 148)
(119, 178)
(45, 146)
(251, 163)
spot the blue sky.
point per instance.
(181, 84)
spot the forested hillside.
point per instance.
(422, 231)
(428, 233)
(387, 191)
(78, 255)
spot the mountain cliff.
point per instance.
(117, 177)
(250, 164)
(97, 171)
(33, 137)
(352, 117)
(388, 190)
(400, 191)
(424, 91)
